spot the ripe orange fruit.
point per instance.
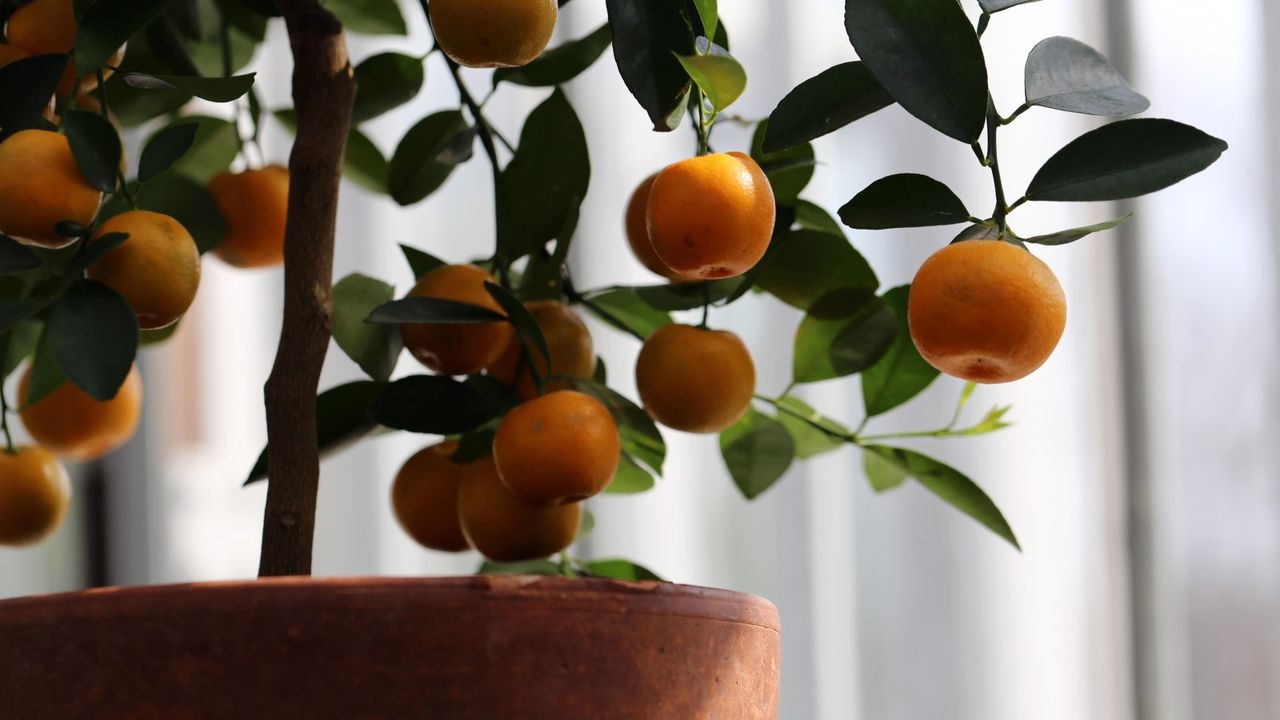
(638, 229)
(504, 529)
(40, 186)
(456, 348)
(34, 495)
(255, 204)
(711, 217)
(493, 33)
(157, 269)
(986, 311)
(695, 380)
(73, 424)
(557, 449)
(573, 353)
(424, 497)
(49, 26)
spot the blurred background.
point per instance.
(1142, 473)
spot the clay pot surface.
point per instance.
(483, 648)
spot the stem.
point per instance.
(4, 423)
(1018, 203)
(706, 305)
(782, 408)
(224, 36)
(1021, 109)
(105, 111)
(323, 92)
(1000, 215)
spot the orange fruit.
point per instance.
(34, 495)
(157, 269)
(424, 497)
(638, 229)
(572, 352)
(49, 26)
(986, 311)
(711, 216)
(255, 204)
(493, 33)
(504, 529)
(40, 186)
(73, 424)
(557, 449)
(695, 380)
(457, 348)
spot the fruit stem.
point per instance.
(4, 423)
(1001, 212)
(706, 305)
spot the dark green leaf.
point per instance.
(213, 89)
(926, 54)
(164, 148)
(901, 374)
(825, 103)
(1066, 74)
(369, 17)
(147, 338)
(416, 169)
(526, 326)
(950, 485)
(375, 348)
(641, 439)
(624, 310)
(432, 310)
(995, 6)
(906, 200)
(721, 77)
(1063, 237)
(757, 450)
(420, 263)
(813, 433)
(213, 149)
(385, 82)
(883, 474)
(165, 42)
(647, 37)
(13, 312)
(188, 202)
(618, 569)
(476, 444)
(686, 296)
(343, 416)
(434, 405)
(561, 64)
(630, 478)
(1125, 159)
(844, 333)
(19, 343)
(809, 265)
(979, 231)
(107, 25)
(16, 257)
(364, 164)
(27, 85)
(93, 334)
(46, 376)
(812, 217)
(134, 106)
(96, 147)
(789, 171)
(100, 246)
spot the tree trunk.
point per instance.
(323, 93)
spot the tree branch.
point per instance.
(323, 93)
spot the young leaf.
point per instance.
(825, 103)
(107, 25)
(630, 478)
(16, 257)
(901, 374)
(994, 6)
(434, 405)
(375, 348)
(813, 433)
(416, 169)
(342, 417)
(709, 14)
(93, 335)
(27, 85)
(844, 333)
(927, 56)
(384, 82)
(720, 76)
(165, 148)
(431, 310)
(560, 64)
(757, 450)
(624, 310)
(1125, 159)
(647, 37)
(618, 569)
(883, 474)
(369, 17)
(420, 263)
(213, 89)
(1063, 237)
(212, 150)
(96, 147)
(809, 265)
(950, 485)
(789, 171)
(526, 326)
(1066, 74)
(906, 200)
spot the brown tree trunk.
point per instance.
(323, 93)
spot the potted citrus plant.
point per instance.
(99, 259)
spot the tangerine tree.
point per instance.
(99, 259)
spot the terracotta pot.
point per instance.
(488, 648)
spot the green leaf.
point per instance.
(375, 348)
(789, 171)
(434, 405)
(16, 257)
(107, 25)
(213, 89)
(618, 569)
(93, 334)
(686, 296)
(1125, 159)
(883, 474)
(641, 439)
(384, 82)
(979, 231)
(213, 149)
(165, 148)
(364, 164)
(432, 310)
(165, 40)
(709, 14)
(809, 265)
(343, 416)
(1067, 75)
(526, 326)
(560, 64)
(416, 168)
(813, 433)
(26, 86)
(844, 333)
(46, 376)
(1062, 237)
(100, 246)
(369, 17)
(950, 485)
(630, 478)
(995, 6)
(420, 263)
(186, 201)
(825, 103)
(647, 37)
(720, 76)
(905, 200)
(525, 567)
(901, 374)
(812, 217)
(927, 56)
(623, 309)
(19, 343)
(757, 450)
(545, 183)
(96, 147)
(13, 312)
